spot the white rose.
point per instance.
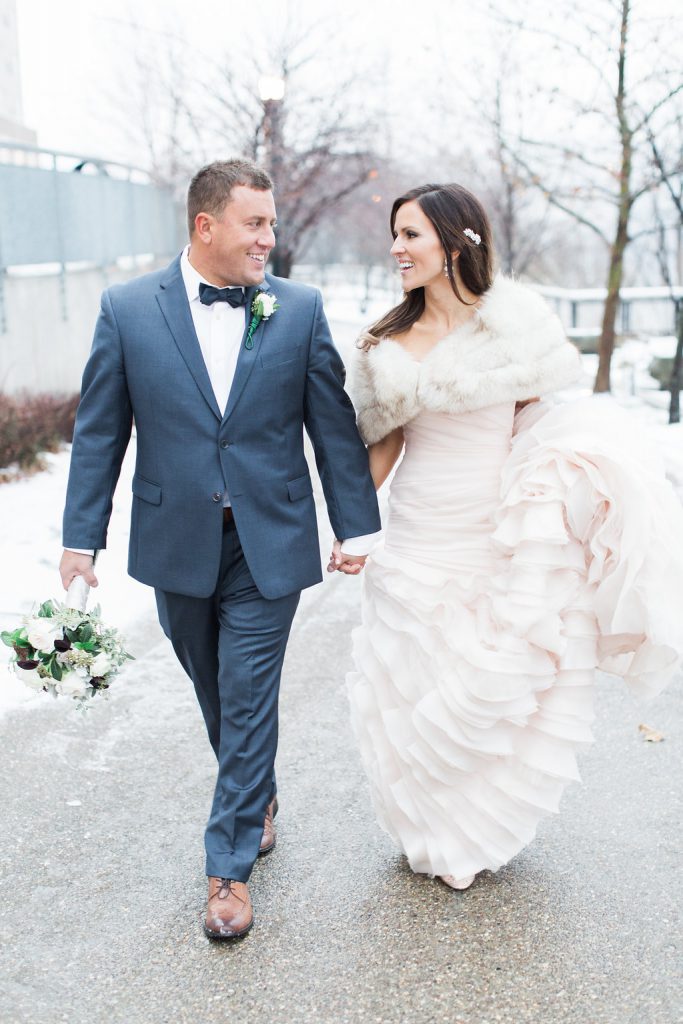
(42, 633)
(30, 677)
(268, 304)
(71, 685)
(100, 665)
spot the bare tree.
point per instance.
(670, 168)
(600, 166)
(519, 216)
(509, 199)
(671, 171)
(494, 88)
(319, 144)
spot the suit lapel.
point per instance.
(172, 299)
(247, 356)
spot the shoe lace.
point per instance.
(225, 889)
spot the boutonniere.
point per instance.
(262, 308)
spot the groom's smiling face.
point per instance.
(241, 238)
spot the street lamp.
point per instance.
(271, 87)
(272, 93)
(677, 369)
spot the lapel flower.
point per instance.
(262, 308)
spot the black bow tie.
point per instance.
(208, 295)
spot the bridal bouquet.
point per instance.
(65, 651)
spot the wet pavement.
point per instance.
(102, 891)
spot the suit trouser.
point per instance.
(232, 646)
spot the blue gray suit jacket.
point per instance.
(146, 366)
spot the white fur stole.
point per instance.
(513, 349)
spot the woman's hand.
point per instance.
(350, 565)
(528, 401)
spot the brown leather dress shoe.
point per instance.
(269, 838)
(229, 914)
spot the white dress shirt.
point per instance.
(220, 329)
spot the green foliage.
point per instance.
(14, 638)
(89, 645)
(80, 637)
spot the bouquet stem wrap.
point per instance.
(77, 594)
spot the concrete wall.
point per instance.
(40, 350)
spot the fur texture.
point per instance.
(513, 349)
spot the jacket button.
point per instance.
(217, 496)
(225, 444)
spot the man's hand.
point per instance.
(73, 564)
(351, 565)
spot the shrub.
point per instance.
(31, 424)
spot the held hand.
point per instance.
(350, 565)
(521, 405)
(73, 564)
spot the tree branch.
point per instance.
(645, 120)
(535, 180)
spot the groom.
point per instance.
(221, 367)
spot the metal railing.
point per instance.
(642, 310)
(63, 209)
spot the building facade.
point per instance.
(12, 125)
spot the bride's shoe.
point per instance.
(457, 883)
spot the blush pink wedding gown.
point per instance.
(512, 567)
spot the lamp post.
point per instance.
(677, 369)
(272, 93)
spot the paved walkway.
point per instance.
(102, 889)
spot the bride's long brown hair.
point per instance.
(451, 209)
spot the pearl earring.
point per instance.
(445, 267)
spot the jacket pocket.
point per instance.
(147, 491)
(299, 488)
(278, 356)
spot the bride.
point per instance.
(526, 545)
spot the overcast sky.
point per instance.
(74, 53)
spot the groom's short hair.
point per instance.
(210, 189)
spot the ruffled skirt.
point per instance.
(511, 570)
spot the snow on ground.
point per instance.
(31, 509)
(635, 390)
(30, 549)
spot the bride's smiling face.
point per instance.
(417, 248)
